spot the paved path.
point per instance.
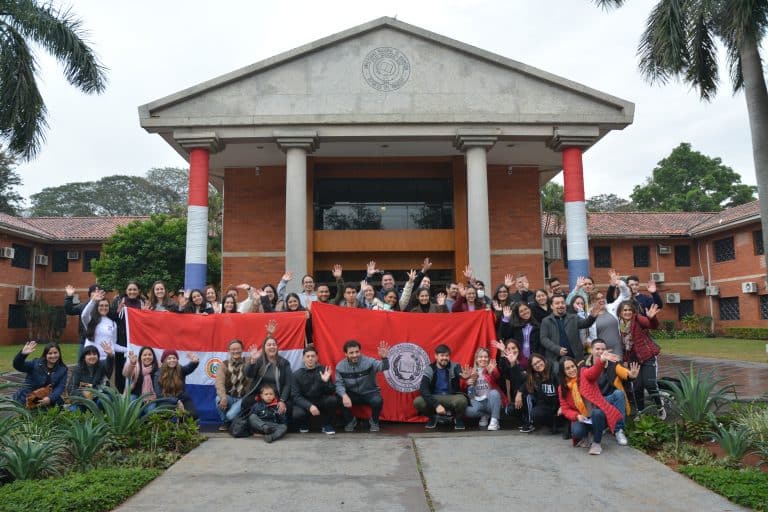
(751, 379)
(505, 470)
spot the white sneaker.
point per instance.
(483, 421)
(663, 414)
(621, 439)
(494, 425)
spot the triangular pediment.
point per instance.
(386, 72)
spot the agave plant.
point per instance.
(24, 458)
(42, 426)
(85, 439)
(697, 398)
(735, 442)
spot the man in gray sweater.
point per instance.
(356, 383)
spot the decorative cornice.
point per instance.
(205, 140)
(307, 140)
(473, 138)
(573, 137)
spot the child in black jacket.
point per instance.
(266, 417)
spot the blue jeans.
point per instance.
(491, 406)
(617, 399)
(232, 410)
(579, 430)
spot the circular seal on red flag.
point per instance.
(212, 367)
(407, 362)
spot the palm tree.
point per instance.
(59, 32)
(680, 40)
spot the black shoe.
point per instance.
(527, 428)
(431, 423)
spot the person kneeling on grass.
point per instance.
(583, 404)
(265, 417)
(356, 383)
(441, 390)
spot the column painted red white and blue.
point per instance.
(196, 262)
(575, 215)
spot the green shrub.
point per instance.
(25, 459)
(85, 436)
(747, 333)
(747, 487)
(648, 432)
(685, 454)
(169, 430)
(754, 419)
(133, 458)
(696, 399)
(734, 441)
(95, 491)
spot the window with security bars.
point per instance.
(602, 256)
(59, 261)
(22, 256)
(682, 255)
(729, 308)
(724, 249)
(757, 237)
(764, 307)
(684, 309)
(641, 255)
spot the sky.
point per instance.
(153, 49)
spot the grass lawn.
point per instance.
(722, 348)
(8, 352)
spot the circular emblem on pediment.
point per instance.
(386, 69)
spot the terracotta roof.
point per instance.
(723, 219)
(653, 224)
(66, 228)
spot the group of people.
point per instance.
(580, 360)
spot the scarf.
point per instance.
(574, 388)
(527, 328)
(625, 329)
(236, 378)
(147, 387)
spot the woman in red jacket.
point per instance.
(639, 347)
(583, 404)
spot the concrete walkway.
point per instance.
(461, 472)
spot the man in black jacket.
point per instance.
(441, 390)
(559, 331)
(313, 394)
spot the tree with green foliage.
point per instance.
(147, 251)
(680, 41)
(688, 181)
(553, 198)
(60, 33)
(10, 200)
(608, 203)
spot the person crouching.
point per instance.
(265, 417)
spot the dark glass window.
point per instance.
(22, 256)
(757, 237)
(641, 255)
(724, 249)
(682, 255)
(59, 262)
(764, 307)
(729, 308)
(16, 317)
(602, 256)
(88, 257)
(418, 203)
(684, 308)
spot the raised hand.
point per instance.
(468, 272)
(192, 357)
(609, 356)
(383, 349)
(496, 305)
(271, 327)
(651, 286)
(613, 277)
(99, 295)
(498, 344)
(597, 308)
(107, 346)
(370, 268)
(491, 366)
(325, 375)
(412, 276)
(580, 282)
(466, 372)
(651, 311)
(255, 353)
(425, 265)
(336, 271)
(29, 347)
(509, 280)
(441, 299)
(634, 370)
(69, 290)
(511, 356)
(507, 311)
(287, 276)
(132, 357)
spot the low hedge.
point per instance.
(95, 491)
(747, 333)
(748, 487)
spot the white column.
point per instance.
(475, 146)
(296, 148)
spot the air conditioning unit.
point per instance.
(698, 283)
(73, 255)
(657, 276)
(554, 248)
(673, 298)
(41, 259)
(26, 293)
(749, 287)
(8, 252)
(665, 249)
(712, 291)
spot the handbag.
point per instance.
(35, 397)
(240, 426)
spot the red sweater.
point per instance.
(643, 347)
(589, 391)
